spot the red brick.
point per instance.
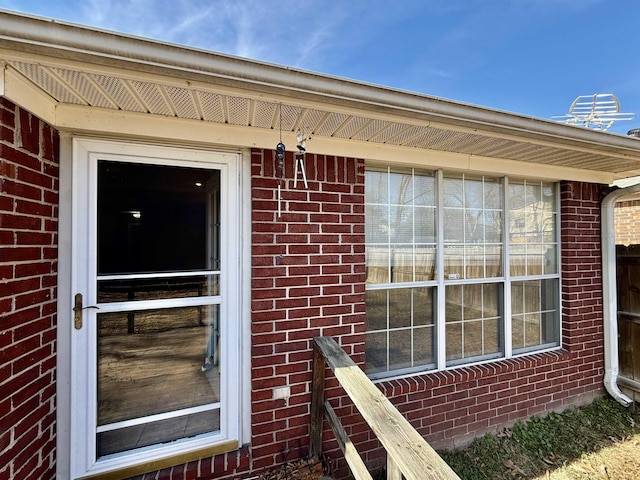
(27, 362)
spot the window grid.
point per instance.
(383, 356)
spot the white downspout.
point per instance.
(611, 369)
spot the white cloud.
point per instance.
(293, 32)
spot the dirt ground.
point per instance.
(620, 461)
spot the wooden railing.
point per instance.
(409, 455)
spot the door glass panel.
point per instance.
(155, 218)
(152, 362)
(158, 372)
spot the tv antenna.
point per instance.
(597, 112)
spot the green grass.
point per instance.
(543, 444)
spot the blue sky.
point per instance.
(532, 57)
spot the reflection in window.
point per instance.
(154, 218)
(400, 326)
(532, 228)
(400, 227)
(155, 288)
(473, 321)
(472, 227)
(158, 376)
(158, 249)
(533, 314)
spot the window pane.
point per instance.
(124, 290)
(473, 328)
(154, 362)
(549, 227)
(402, 263)
(137, 436)
(534, 306)
(453, 299)
(492, 226)
(473, 340)
(376, 352)
(531, 329)
(423, 346)
(472, 301)
(400, 308)
(549, 328)
(377, 264)
(409, 330)
(137, 369)
(400, 346)
(424, 189)
(550, 258)
(474, 262)
(425, 262)
(493, 195)
(377, 187)
(492, 336)
(473, 193)
(453, 262)
(401, 189)
(517, 298)
(473, 226)
(454, 341)
(425, 225)
(376, 224)
(423, 312)
(401, 224)
(376, 304)
(493, 261)
(518, 259)
(532, 228)
(453, 192)
(453, 225)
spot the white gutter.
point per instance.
(610, 312)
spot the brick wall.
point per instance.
(28, 265)
(307, 280)
(627, 222)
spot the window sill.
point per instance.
(420, 381)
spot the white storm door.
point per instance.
(155, 284)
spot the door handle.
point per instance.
(77, 311)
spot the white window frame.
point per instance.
(76, 406)
(506, 280)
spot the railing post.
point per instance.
(393, 471)
(317, 403)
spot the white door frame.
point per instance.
(76, 455)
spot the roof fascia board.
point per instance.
(65, 40)
(104, 122)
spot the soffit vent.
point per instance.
(179, 99)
